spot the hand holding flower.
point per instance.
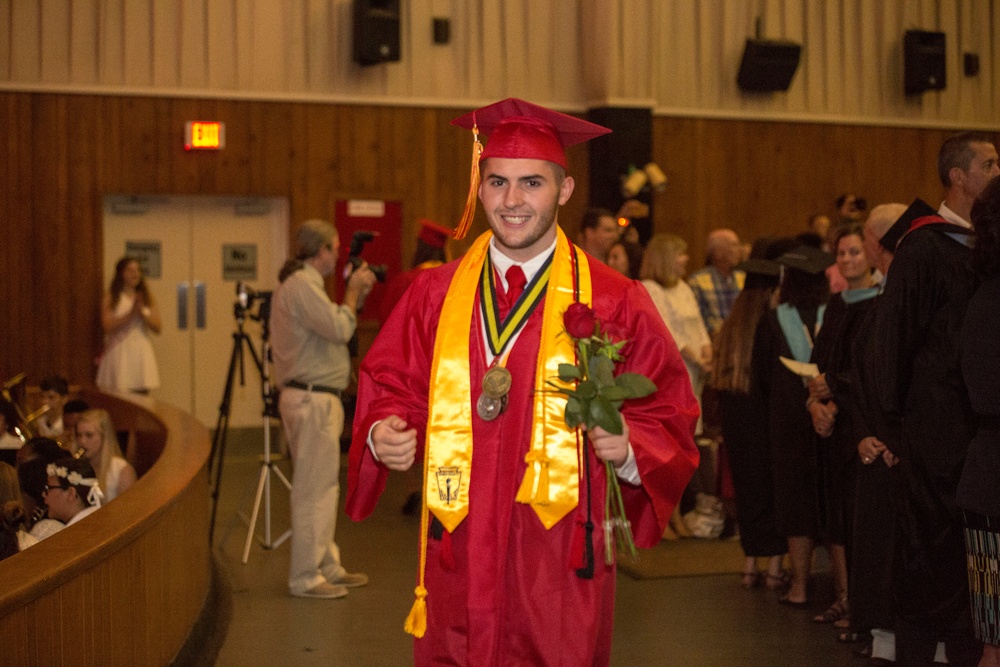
(608, 446)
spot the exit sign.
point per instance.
(204, 135)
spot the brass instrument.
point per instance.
(22, 428)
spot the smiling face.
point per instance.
(521, 199)
(89, 438)
(852, 261)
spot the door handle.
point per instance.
(199, 304)
(182, 305)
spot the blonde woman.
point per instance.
(128, 314)
(95, 436)
(664, 265)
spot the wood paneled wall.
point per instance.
(62, 153)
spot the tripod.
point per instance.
(267, 461)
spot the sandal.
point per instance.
(834, 612)
(750, 580)
(777, 582)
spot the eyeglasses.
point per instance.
(49, 487)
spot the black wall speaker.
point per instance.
(376, 31)
(768, 65)
(923, 61)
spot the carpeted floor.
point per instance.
(684, 558)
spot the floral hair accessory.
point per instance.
(94, 497)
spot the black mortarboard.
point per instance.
(759, 267)
(918, 209)
(806, 258)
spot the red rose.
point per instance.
(579, 321)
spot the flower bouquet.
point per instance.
(594, 399)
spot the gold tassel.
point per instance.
(470, 201)
(542, 497)
(416, 622)
(526, 493)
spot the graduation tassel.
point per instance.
(416, 622)
(587, 571)
(470, 201)
(542, 495)
(526, 492)
(576, 545)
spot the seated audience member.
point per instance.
(9, 443)
(71, 415)
(13, 537)
(626, 258)
(33, 459)
(72, 491)
(55, 392)
(95, 435)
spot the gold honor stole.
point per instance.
(552, 479)
(551, 482)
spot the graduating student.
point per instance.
(501, 573)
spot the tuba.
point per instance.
(22, 428)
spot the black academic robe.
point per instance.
(926, 421)
(873, 523)
(793, 440)
(834, 355)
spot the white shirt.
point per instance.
(953, 217)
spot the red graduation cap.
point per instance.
(432, 233)
(520, 130)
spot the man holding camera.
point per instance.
(312, 366)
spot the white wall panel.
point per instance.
(677, 56)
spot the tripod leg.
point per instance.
(261, 480)
(218, 452)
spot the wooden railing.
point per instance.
(126, 585)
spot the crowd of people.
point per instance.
(70, 466)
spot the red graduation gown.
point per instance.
(512, 597)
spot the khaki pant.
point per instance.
(313, 422)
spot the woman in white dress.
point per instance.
(95, 436)
(128, 314)
(664, 265)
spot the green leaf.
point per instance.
(569, 372)
(603, 414)
(586, 390)
(636, 384)
(613, 393)
(574, 412)
(602, 370)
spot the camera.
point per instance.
(246, 298)
(358, 241)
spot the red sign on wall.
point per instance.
(385, 220)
